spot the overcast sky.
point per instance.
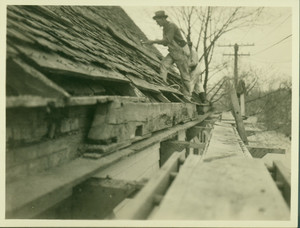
(273, 61)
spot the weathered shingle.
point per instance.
(91, 42)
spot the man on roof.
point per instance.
(196, 73)
(178, 51)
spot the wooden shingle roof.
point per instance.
(58, 51)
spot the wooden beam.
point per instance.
(157, 199)
(144, 85)
(180, 145)
(282, 175)
(75, 101)
(28, 101)
(259, 152)
(195, 131)
(25, 198)
(237, 113)
(31, 101)
(167, 148)
(119, 121)
(57, 64)
(162, 98)
(178, 98)
(142, 204)
(27, 80)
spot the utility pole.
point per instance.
(236, 75)
(236, 49)
(238, 110)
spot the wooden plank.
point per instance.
(142, 84)
(237, 113)
(195, 131)
(259, 152)
(75, 101)
(162, 98)
(168, 89)
(142, 204)
(104, 149)
(180, 145)
(37, 101)
(26, 80)
(29, 101)
(223, 143)
(135, 166)
(169, 147)
(177, 98)
(176, 145)
(223, 189)
(60, 65)
(243, 147)
(26, 199)
(282, 175)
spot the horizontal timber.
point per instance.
(25, 198)
(29, 101)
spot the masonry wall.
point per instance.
(38, 139)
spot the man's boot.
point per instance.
(202, 97)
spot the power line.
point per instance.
(262, 61)
(273, 45)
(275, 28)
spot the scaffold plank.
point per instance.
(234, 188)
(224, 142)
(143, 203)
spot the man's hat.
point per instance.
(160, 14)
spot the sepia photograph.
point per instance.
(150, 115)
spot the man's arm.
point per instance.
(168, 37)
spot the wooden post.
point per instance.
(236, 113)
(242, 102)
(236, 49)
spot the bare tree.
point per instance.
(205, 25)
